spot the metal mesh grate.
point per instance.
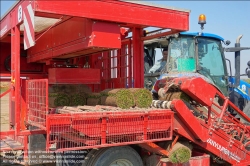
(37, 102)
(98, 129)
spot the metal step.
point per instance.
(8, 144)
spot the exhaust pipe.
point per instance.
(237, 62)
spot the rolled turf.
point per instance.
(62, 100)
(122, 98)
(94, 99)
(179, 153)
(143, 97)
(78, 99)
(169, 96)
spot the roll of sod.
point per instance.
(169, 96)
(125, 99)
(122, 98)
(78, 99)
(180, 153)
(62, 100)
(143, 97)
(94, 99)
(108, 100)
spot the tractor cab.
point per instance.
(199, 53)
(192, 54)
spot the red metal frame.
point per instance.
(5, 93)
(103, 129)
(129, 68)
(74, 76)
(215, 136)
(37, 101)
(138, 58)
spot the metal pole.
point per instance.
(237, 62)
(138, 62)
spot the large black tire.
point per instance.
(92, 156)
(114, 155)
(246, 110)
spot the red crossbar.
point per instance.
(5, 93)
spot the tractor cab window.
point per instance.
(181, 55)
(211, 64)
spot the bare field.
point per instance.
(4, 110)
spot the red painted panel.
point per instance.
(42, 44)
(74, 75)
(189, 120)
(192, 88)
(75, 37)
(5, 26)
(105, 35)
(195, 160)
(70, 30)
(118, 11)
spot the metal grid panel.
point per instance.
(116, 67)
(99, 129)
(37, 102)
(227, 123)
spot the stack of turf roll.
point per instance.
(143, 97)
(68, 94)
(127, 98)
(122, 98)
(78, 99)
(94, 99)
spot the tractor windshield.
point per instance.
(198, 54)
(211, 62)
(182, 55)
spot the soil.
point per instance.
(4, 110)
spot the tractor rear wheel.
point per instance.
(115, 156)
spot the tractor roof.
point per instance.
(203, 34)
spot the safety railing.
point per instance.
(101, 129)
(37, 102)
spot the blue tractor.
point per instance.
(200, 55)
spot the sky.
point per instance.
(228, 19)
